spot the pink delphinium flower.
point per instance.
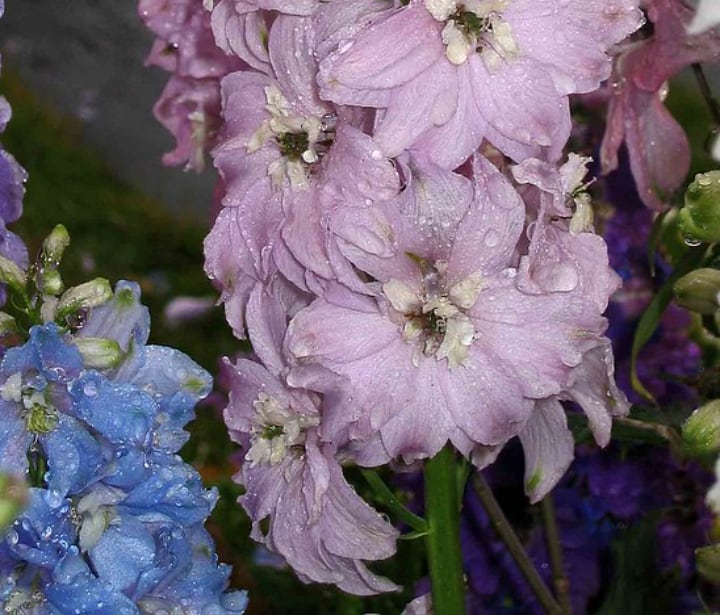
(190, 110)
(447, 75)
(283, 157)
(450, 346)
(316, 520)
(189, 106)
(565, 255)
(657, 146)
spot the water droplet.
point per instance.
(12, 537)
(492, 238)
(90, 389)
(53, 498)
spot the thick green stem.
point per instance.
(552, 536)
(512, 542)
(442, 514)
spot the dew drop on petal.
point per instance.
(492, 238)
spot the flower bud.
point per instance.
(51, 282)
(701, 431)
(707, 563)
(55, 244)
(11, 274)
(699, 219)
(85, 295)
(48, 308)
(7, 324)
(99, 352)
(13, 498)
(698, 291)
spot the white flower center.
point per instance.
(301, 140)
(38, 413)
(435, 317)
(276, 429)
(474, 25)
(572, 173)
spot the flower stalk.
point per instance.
(442, 513)
(512, 542)
(552, 537)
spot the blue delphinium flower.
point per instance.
(94, 418)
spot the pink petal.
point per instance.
(385, 55)
(548, 445)
(488, 234)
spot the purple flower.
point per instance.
(448, 74)
(189, 106)
(317, 522)
(448, 345)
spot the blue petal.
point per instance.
(74, 456)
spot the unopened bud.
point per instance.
(11, 274)
(7, 324)
(99, 352)
(701, 431)
(699, 219)
(707, 563)
(51, 282)
(698, 291)
(13, 498)
(48, 308)
(86, 295)
(55, 244)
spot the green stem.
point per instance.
(389, 499)
(664, 431)
(512, 542)
(443, 539)
(552, 536)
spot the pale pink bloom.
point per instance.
(547, 442)
(446, 74)
(190, 110)
(185, 45)
(317, 522)
(565, 254)
(657, 146)
(450, 346)
(270, 141)
(189, 106)
(243, 34)
(284, 157)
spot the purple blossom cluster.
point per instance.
(402, 245)
(115, 517)
(189, 106)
